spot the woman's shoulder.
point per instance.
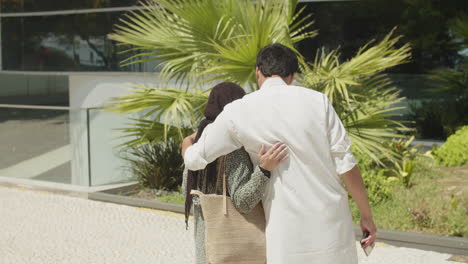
(238, 156)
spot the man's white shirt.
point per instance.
(306, 205)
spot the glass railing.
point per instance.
(61, 145)
(106, 163)
(35, 143)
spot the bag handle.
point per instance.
(196, 192)
(224, 194)
(222, 169)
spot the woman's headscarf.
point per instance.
(221, 95)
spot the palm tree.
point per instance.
(361, 94)
(194, 42)
(200, 41)
(216, 38)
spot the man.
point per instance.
(306, 205)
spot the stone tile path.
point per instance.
(44, 228)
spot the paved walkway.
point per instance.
(44, 228)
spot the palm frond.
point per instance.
(370, 121)
(210, 40)
(335, 79)
(449, 81)
(460, 28)
(192, 38)
(361, 95)
(141, 131)
(172, 107)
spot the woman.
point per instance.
(245, 183)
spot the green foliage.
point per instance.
(403, 167)
(452, 82)
(199, 38)
(219, 40)
(157, 166)
(142, 131)
(173, 197)
(459, 27)
(167, 113)
(343, 82)
(456, 222)
(204, 40)
(436, 203)
(378, 184)
(454, 152)
(361, 95)
(380, 178)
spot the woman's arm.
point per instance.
(246, 185)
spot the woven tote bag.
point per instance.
(230, 236)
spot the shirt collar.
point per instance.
(273, 81)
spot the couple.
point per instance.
(303, 184)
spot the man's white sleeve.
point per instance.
(218, 139)
(339, 141)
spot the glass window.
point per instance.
(62, 43)
(8, 6)
(424, 24)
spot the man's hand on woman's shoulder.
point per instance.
(187, 142)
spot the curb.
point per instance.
(431, 242)
(137, 202)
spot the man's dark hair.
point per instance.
(277, 59)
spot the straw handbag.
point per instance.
(230, 236)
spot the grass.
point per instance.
(167, 197)
(436, 202)
(175, 197)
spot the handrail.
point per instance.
(39, 107)
(45, 107)
(71, 11)
(106, 9)
(68, 73)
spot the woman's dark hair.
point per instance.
(277, 59)
(221, 95)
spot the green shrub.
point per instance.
(157, 166)
(378, 184)
(456, 222)
(454, 152)
(380, 179)
(431, 205)
(403, 167)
